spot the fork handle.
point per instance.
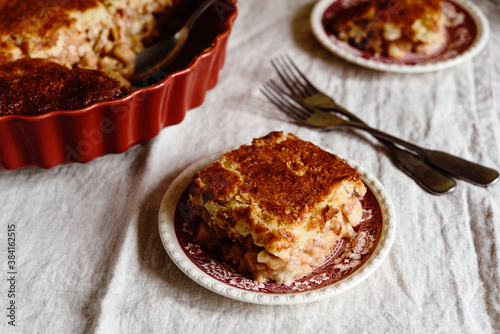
(424, 174)
(461, 168)
(428, 177)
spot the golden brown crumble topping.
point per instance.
(35, 86)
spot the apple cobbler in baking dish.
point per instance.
(61, 36)
(391, 28)
(96, 34)
(276, 208)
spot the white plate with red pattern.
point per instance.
(350, 263)
(466, 37)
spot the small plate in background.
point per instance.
(465, 40)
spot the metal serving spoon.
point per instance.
(150, 62)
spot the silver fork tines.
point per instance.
(300, 86)
(291, 77)
(277, 96)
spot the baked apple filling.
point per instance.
(249, 259)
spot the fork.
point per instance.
(430, 179)
(308, 105)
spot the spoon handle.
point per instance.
(149, 64)
(189, 23)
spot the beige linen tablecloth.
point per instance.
(89, 255)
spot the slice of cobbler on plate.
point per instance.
(276, 208)
(392, 28)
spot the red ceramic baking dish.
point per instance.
(68, 136)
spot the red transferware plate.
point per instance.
(467, 35)
(351, 261)
(66, 136)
